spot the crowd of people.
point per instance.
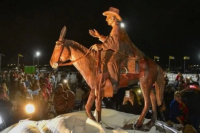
(181, 99)
(180, 106)
(184, 109)
(52, 96)
(48, 92)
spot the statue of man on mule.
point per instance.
(105, 80)
(121, 52)
(117, 45)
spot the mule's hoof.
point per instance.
(138, 127)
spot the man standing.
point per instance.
(118, 42)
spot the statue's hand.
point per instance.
(94, 33)
(95, 47)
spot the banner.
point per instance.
(171, 57)
(29, 69)
(20, 55)
(186, 57)
(156, 57)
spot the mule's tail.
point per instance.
(159, 86)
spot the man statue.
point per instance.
(118, 42)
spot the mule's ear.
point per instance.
(62, 34)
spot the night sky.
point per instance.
(158, 27)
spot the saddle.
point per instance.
(130, 68)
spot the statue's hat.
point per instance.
(113, 11)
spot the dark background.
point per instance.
(158, 28)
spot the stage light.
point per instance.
(65, 81)
(30, 108)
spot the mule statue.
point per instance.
(84, 60)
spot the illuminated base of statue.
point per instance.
(78, 122)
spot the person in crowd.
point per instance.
(179, 81)
(45, 92)
(21, 91)
(168, 98)
(63, 76)
(53, 80)
(4, 77)
(131, 103)
(166, 79)
(79, 94)
(187, 82)
(36, 85)
(13, 84)
(60, 99)
(191, 96)
(28, 82)
(22, 96)
(47, 82)
(12, 77)
(5, 88)
(42, 100)
(20, 73)
(178, 110)
(197, 79)
(36, 88)
(7, 79)
(3, 92)
(116, 102)
(5, 106)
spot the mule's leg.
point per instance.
(146, 93)
(154, 110)
(146, 86)
(89, 104)
(98, 107)
(98, 98)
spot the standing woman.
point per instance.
(5, 88)
(3, 92)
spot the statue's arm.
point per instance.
(110, 43)
(96, 34)
(102, 38)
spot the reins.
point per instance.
(71, 63)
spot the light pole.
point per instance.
(170, 58)
(33, 59)
(185, 58)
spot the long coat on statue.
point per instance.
(118, 47)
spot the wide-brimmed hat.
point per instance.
(113, 11)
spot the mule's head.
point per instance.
(61, 52)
